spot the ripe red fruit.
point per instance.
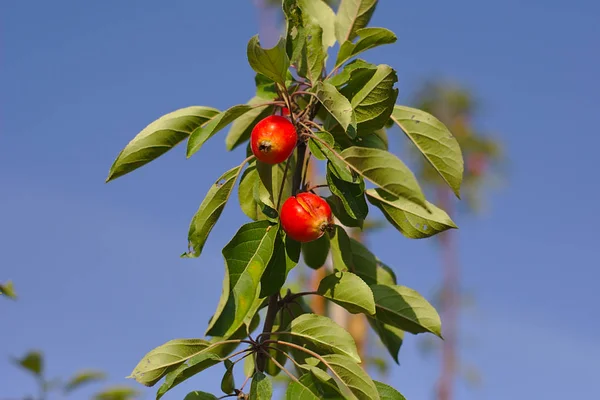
(285, 111)
(273, 139)
(306, 217)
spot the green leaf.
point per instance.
(83, 377)
(315, 253)
(390, 336)
(272, 63)
(323, 15)
(249, 365)
(328, 150)
(261, 387)
(246, 258)
(227, 382)
(386, 171)
(117, 392)
(33, 362)
(272, 176)
(159, 137)
(406, 309)
(351, 72)
(368, 38)
(324, 334)
(374, 102)
(309, 387)
(209, 211)
(412, 220)
(202, 133)
(267, 89)
(434, 141)
(351, 195)
(204, 360)
(242, 127)
(353, 15)
(376, 140)
(387, 392)
(198, 395)
(338, 106)
(348, 291)
(7, 289)
(368, 268)
(341, 251)
(246, 193)
(352, 376)
(165, 358)
(286, 254)
(338, 210)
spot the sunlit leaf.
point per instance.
(286, 255)
(353, 15)
(410, 219)
(387, 392)
(368, 267)
(349, 291)
(351, 195)
(159, 137)
(246, 258)
(261, 387)
(202, 133)
(368, 39)
(341, 251)
(386, 171)
(309, 387)
(198, 395)
(272, 63)
(324, 334)
(210, 210)
(242, 127)
(338, 106)
(434, 141)
(352, 376)
(374, 102)
(406, 309)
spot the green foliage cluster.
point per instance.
(341, 117)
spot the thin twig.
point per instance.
(286, 354)
(313, 123)
(303, 92)
(281, 367)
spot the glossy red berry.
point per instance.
(273, 139)
(285, 111)
(305, 217)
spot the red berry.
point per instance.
(285, 111)
(273, 139)
(305, 217)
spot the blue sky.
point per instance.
(97, 265)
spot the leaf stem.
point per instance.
(285, 171)
(281, 367)
(303, 92)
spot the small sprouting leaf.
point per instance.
(285, 257)
(242, 127)
(353, 15)
(412, 220)
(7, 289)
(351, 72)
(198, 395)
(341, 250)
(324, 334)
(202, 133)
(406, 309)
(227, 382)
(348, 291)
(117, 392)
(210, 210)
(159, 137)
(352, 195)
(83, 377)
(366, 266)
(387, 392)
(246, 258)
(261, 387)
(32, 362)
(434, 141)
(374, 102)
(386, 171)
(165, 358)
(338, 106)
(272, 63)
(368, 39)
(390, 336)
(315, 253)
(352, 376)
